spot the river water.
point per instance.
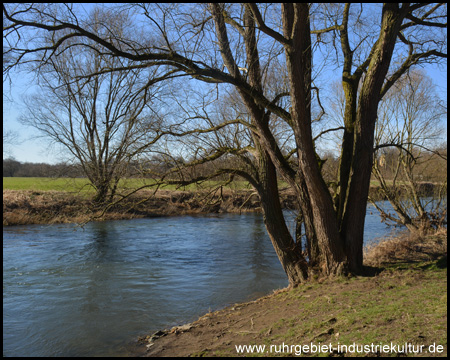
(72, 291)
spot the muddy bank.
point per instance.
(22, 207)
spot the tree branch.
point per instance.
(264, 28)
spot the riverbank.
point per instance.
(23, 207)
(403, 306)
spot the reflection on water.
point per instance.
(70, 291)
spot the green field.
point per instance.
(46, 184)
(82, 184)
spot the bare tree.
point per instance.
(235, 45)
(104, 120)
(10, 138)
(408, 129)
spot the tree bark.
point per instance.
(362, 159)
(298, 58)
(288, 251)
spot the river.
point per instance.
(72, 291)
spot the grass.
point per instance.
(45, 201)
(82, 185)
(46, 184)
(406, 248)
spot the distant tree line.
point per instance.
(430, 167)
(14, 168)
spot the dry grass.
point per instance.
(21, 207)
(408, 247)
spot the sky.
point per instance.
(30, 147)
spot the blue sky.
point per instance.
(31, 148)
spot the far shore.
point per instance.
(24, 207)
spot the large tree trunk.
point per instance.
(101, 192)
(298, 56)
(306, 218)
(337, 234)
(362, 159)
(289, 252)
